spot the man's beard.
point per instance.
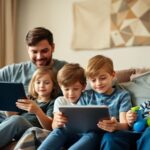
(43, 62)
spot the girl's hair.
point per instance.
(37, 74)
(98, 62)
(70, 74)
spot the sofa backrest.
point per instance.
(137, 82)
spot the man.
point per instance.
(40, 48)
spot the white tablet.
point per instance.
(84, 118)
(9, 94)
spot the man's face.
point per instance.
(41, 53)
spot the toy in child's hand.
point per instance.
(140, 123)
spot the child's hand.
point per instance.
(28, 105)
(108, 125)
(131, 117)
(59, 120)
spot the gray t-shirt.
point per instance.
(22, 72)
(32, 118)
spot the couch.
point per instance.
(135, 80)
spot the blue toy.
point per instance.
(140, 123)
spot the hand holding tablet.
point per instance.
(84, 118)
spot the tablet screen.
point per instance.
(84, 118)
(9, 94)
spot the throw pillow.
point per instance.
(139, 88)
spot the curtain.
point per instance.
(7, 31)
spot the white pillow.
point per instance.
(139, 88)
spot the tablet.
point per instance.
(84, 118)
(9, 94)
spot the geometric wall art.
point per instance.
(103, 24)
(130, 23)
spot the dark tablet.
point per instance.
(9, 94)
(84, 118)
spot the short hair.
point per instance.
(70, 74)
(37, 74)
(38, 34)
(99, 62)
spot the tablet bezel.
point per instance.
(84, 118)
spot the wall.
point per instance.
(57, 16)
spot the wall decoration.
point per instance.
(102, 24)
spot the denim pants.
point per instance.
(120, 140)
(32, 138)
(2, 116)
(143, 142)
(61, 137)
(12, 128)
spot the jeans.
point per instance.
(61, 137)
(12, 128)
(32, 138)
(143, 142)
(120, 140)
(2, 116)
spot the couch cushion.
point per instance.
(124, 75)
(139, 72)
(139, 88)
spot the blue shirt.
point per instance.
(118, 101)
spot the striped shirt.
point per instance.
(145, 107)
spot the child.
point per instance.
(37, 112)
(126, 140)
(144, 107)
(72, 81)
(100, 73)
(143, 137)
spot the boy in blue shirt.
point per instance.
(100, 74)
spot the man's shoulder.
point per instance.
(16, 66)
(59, 62)
(24, 63)
(20, 64)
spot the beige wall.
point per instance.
(57, 16)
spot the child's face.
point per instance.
(44, 86)
(103, 82)
(72, 92)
